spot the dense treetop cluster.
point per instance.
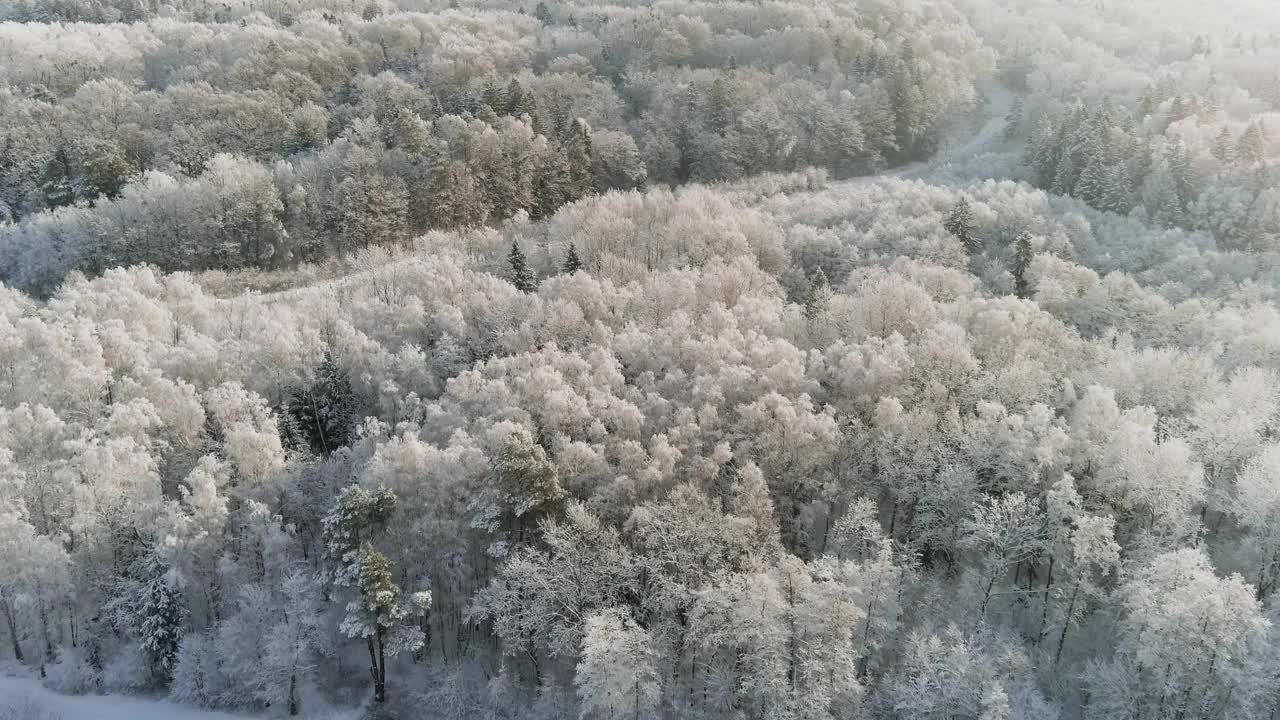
(559, 361)
(245, 137)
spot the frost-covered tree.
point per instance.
(1007, 531)
(1250, 148)
(293, 644)
(540, 600)
(578, 149)
(323, 412)
(33, 566)
(456, 199)
(1023, 254)
(1082, 553)
(1257, 505)
(572, 263)
(525, 488)
(1186, 632)
(1224, 150)
(376, 612)
(157, 617)
(617, 675)
(519, 272)
(960, 223)
(819, 301)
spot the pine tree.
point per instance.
(1013, 121)
(1023, 254)
(413, 134)
(542, 12)
(323, 413)
(1064, 177)
(520, 274)
(1042, 153)
(1251, 148)
(524, 489)
(106, 169)
(1212, 103)
(687, 127)
(377, 612)
(875, 117)
(355, 516)
(1162, 197)
(819, 299)
(720, 105)
(1224, 147)
(158, 614)
(1148, 101)
(572, 263)
(1179, 161)
(1116, 193)
(550, 185)
(817, 310)
(492, 95)
(910, 109)
(1093, 181)
(1092, 152)
(1141, 162)
(374, 210)
(519, 101)
(1272, 93)
(57, 182)
(959, 222)
(487, 115)
(456, 198)
(577, 151)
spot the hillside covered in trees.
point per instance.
(784, 360)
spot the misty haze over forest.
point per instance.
(640, 359)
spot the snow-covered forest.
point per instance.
(769, 360)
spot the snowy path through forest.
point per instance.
(998, 102)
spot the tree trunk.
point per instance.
(866, 629)
(986, 597)
(315, 412)
(44, 631)
(1264, 587)
(637, 692)
(71, 623)
(1066, 623)
(793, 528)
(380, 688)
(13, 630)
(1044, 605)
(792, 649)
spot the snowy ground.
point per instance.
(103, 707)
